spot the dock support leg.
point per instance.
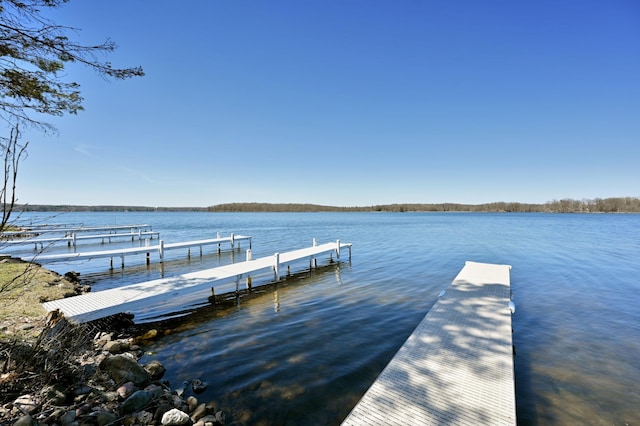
(276, 266)
(111, 263)
(248, 283)
(161, 251)
(233, 242)
(338, 250)
(122, 256)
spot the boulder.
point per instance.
(122, 368)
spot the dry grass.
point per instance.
(23, 289)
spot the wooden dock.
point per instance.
(91, 306)
(457, 366)
(233, 240)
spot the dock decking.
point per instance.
(91, 306)
(122, 252)
(457, 366)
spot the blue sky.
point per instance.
(348, 103)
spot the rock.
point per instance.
(137, 401)
(175, 417)
(25, 421)
(28, 403)
(198, 386)
(155, 369)
(68, 418)
(116, 346)
(199, 412)
(125, 390)
(144, 418)
(122, 368)
(162, 408)
(220, 417)
(105, 418)
(72, 276)
(53, 395)
(148, 335)
(192, 403)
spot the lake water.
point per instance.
(304, 353)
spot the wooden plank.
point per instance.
(91, 306)
(457, 366)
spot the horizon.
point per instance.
(347, 104)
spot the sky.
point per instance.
(347, 103)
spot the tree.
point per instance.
(33, 54)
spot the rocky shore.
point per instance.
(102, 383)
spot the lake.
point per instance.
(304, 352)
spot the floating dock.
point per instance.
(160, 248)
(457, 366)
(91, 306)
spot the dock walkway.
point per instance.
(91, 306)
(122, 252)
(457, 366)
(73, 238)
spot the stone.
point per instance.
(26, 420)
(175, 417)
(105, 418)
(126, 389)
(198, 386)
(28, 403)
(199, 412)
(53, 395)
(192, 402)
(68, 418)
(122, 368)
(116, 346)
(136, 401)
(155, 369)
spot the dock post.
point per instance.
(338, 250)
(248, 282)
(73, 238)
(161, 250)
(232, 241)
(248, 255)
(276, 265)
(314, 242)
(122, 256)
(250, 242)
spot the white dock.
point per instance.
(72, 239)
(233, 240)
(457, 366)
(91, 306)
(43, 229)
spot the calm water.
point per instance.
(305, 352)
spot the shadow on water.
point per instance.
(190, 316)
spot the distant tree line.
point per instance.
(72, 208)
(598, 205)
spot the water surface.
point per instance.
(304, 352)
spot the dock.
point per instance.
(73, 238)
(43, 229)
(233, 240)
(457, 366)
(92, 306)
